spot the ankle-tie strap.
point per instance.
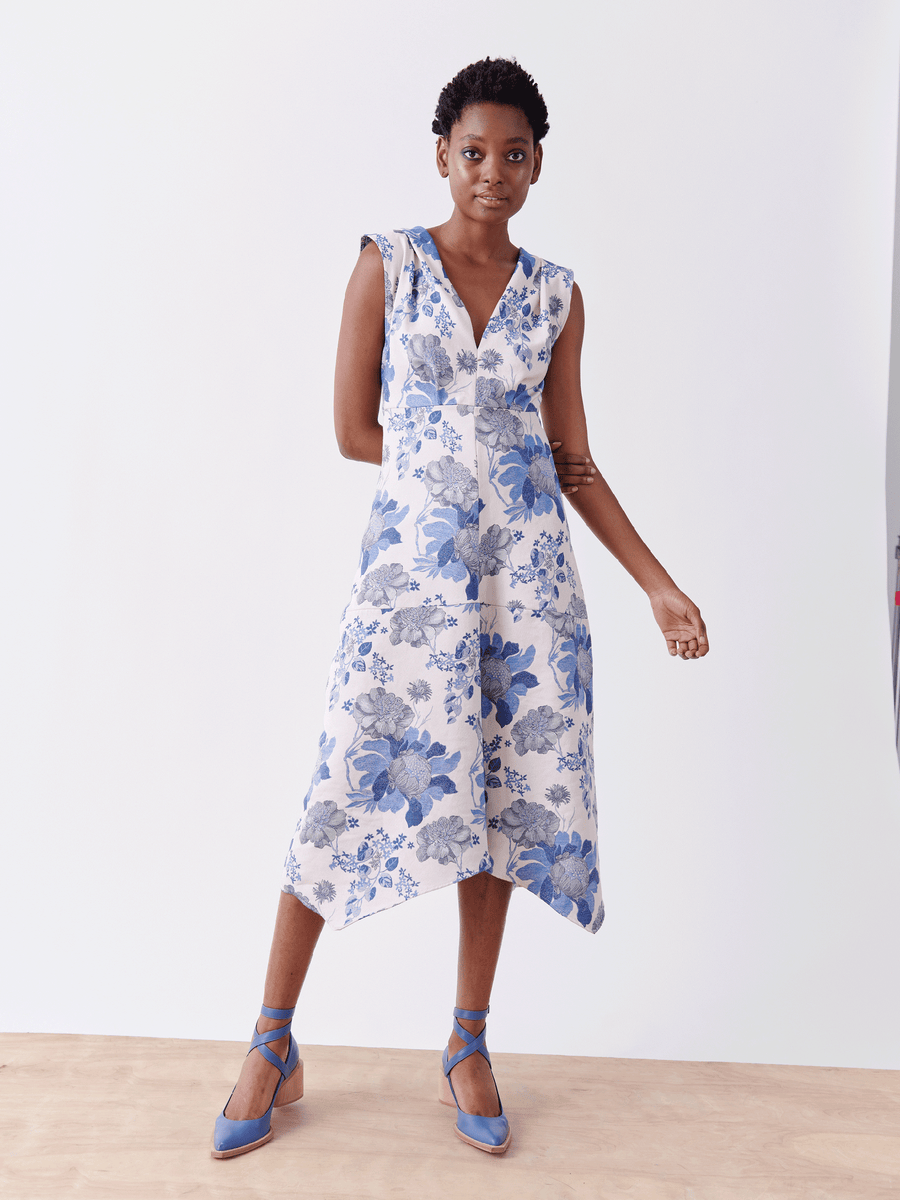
(277, 1014)
(260, 1041)
(471, 1014)
(475, 1041)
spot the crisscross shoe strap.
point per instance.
(476, 1041)
(260, 1040)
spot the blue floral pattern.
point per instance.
(458, 731)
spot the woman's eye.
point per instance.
(470, 153)
(518, 155)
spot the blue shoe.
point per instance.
(237, 1137)
(487, 1133)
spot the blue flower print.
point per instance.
(387, 378)
(366, 864)
(498, 428)
(485, 556)
(564, 622)
(421, 297)
(578, 664)
(419, 689)
(383, 243)
(490, 393)
(382, 586)
(558, 794)
(320, 770)
(563, 874)
(528, 824)
(539, 730)
(570, 875)
(493, 550)
(522, 399)
(514, 319)
(451, 482)
(531, 480)
(429, 360)
(490, 360)
(466, 361)
(324, 891)
(423, 241)
(443, 839)
(410, 774)
(388, 296)
(448, 551)
(412, 771)
(465, 547)
(505, 677)
(381, 531)
(542, 474)
(416, 626)
(322, 822)
(353, 653)
(380, 713)
(372, 865)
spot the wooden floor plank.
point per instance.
(112, 1118)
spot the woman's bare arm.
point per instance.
(562, 407)
(357, 372)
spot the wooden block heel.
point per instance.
(292, 1088)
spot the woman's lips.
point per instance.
(488, 198)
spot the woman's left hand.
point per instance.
(573, 470)
(679, 619)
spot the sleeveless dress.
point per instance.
(458, 730)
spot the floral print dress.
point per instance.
(458, 725)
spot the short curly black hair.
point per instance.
(491, 81)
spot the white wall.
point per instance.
(184, 190)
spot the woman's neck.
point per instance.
(477, 242)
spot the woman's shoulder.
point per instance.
(387, 242)
(548, 273)
(400, 248)
(551, 289)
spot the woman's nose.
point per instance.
(492, 170)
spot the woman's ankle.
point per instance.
(267, 1024)
(472, 1026)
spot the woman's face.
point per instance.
(491, 161)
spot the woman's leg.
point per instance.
(297, 930)
(483, 901)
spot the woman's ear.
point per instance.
(442, 157)
(538, 160)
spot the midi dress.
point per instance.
(458, 726)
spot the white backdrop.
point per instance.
(185, 186)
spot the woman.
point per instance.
(458, 732)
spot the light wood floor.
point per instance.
(120, 1118)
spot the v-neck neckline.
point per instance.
(445, 278)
